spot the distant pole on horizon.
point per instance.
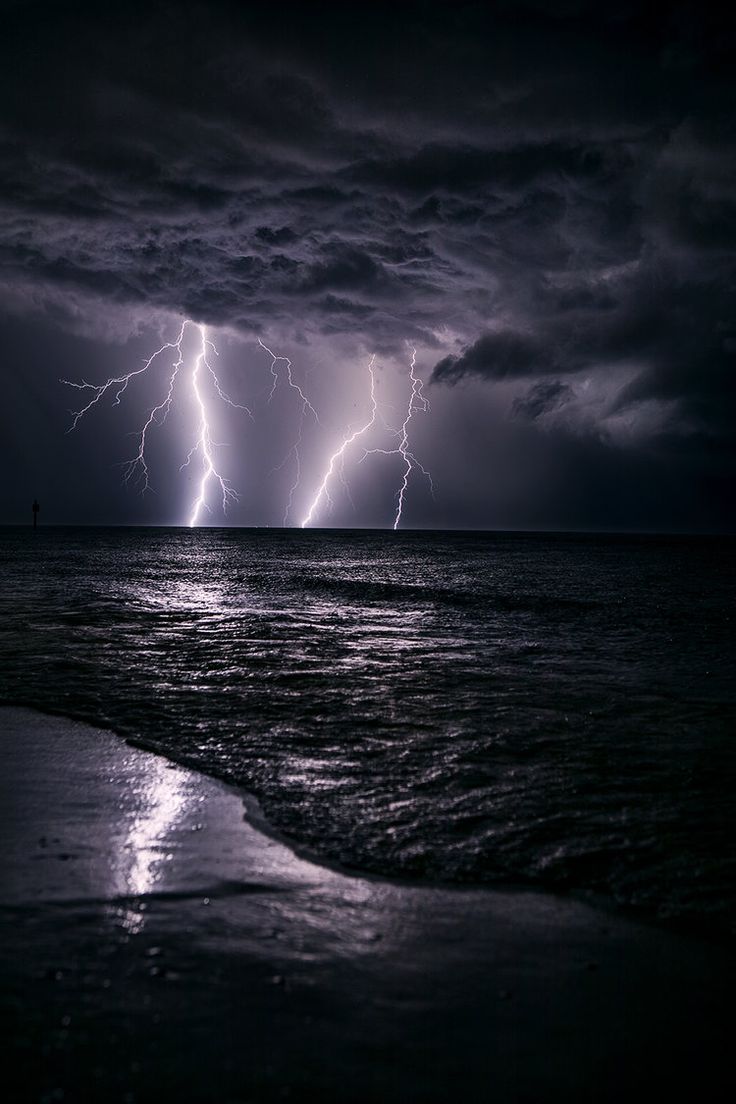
(36, 508)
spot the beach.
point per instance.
(159, 944)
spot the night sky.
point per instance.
(538, 197)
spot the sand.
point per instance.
(157, 946)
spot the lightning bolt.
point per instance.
(137, 468)
(307, 408)
(337, 459)
(418, 402)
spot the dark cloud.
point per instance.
(346, 268)
(229, 131)
(541, 399)
(496, 356)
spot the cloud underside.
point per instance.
(502, 189)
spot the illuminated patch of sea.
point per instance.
(452, 707)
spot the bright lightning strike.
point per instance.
(337, 458)
(417, 402)
(203, 446)
(307, 408)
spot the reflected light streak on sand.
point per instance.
(146, 847)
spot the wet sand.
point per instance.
(157, 946)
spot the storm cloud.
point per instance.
(539, 196)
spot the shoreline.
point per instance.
(256, 816)
(145, 905)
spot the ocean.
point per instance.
(482, 708)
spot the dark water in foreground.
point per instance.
(453, 707)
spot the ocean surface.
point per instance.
(555, 710)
